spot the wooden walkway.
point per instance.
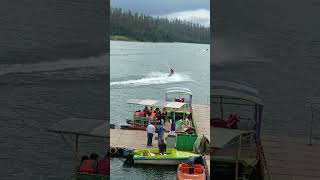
(201, 114)
(291, 158)
(135, 139)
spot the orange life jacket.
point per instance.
(87, 166)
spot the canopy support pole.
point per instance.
(311, 123)
(76, 154)
(237, 158)
(221, 107)
(77, 137)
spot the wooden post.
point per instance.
(221, 108)
(76, 160)
(311, 123)
(237, 159)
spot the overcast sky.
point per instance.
(197, 11)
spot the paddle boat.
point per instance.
(236, 146)
(191, 172)
(170, 157)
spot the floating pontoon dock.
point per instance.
(291, 158)
(137, 139)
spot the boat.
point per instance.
(191, 172)
(82, 127)
(236, 148)
(171, 156)
(177, 104)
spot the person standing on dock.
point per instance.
(162, 146)
(150, 131)
(173, 127)
(160, 132)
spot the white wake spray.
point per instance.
(155, 78)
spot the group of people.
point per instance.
(151, 129)
(94, 166)
(161, 140)
(151, 113)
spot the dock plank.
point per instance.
(291, 157)
(201, 115)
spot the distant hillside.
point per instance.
(141, 27)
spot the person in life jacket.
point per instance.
(104, 165)
(137, 113)
(89, 165)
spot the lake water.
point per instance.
(275, 46)
(140, 70)
(53, 65)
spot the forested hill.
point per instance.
(134, 26)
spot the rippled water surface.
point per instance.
(275, 46)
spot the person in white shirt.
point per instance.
(150, 131)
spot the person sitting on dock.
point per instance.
(150, 131)
(104, 165)
(162, 146)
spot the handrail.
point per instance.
(265, 164)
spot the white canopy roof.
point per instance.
(156, 103)
(223, 136)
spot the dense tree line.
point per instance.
(143, 27)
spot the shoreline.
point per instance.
(127, 39)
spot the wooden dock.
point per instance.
(201, 114)
(137, 139)
(291, 158)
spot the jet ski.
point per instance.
(171, 72)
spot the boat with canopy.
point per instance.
(71, 129)
(236, 125)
